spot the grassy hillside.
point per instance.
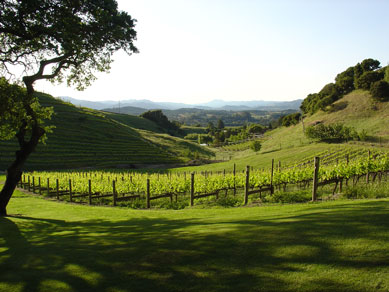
(289, 144)
(47, 246)
(356, 109)
(359, 110)
(90, 138)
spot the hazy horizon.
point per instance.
(164, 101)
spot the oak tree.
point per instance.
(57, 40)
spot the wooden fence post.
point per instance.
(271, 177)
(70, 190)
(234, 179)
(315, 178)
(39, 186)
(247, 185)
(347, 162)
(28, 187)
(48, 187)
(368, 174)
(90, 191)
(192, 188)
(148, 194)
(114, 192)
(33, 184)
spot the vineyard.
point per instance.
(136, 189)
(87, 138)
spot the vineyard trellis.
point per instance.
(115, 187)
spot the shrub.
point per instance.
(255, 146)
(289, 120)
(331, 133)
(255, 129)
(380, 90)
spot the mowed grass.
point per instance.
(332, 246)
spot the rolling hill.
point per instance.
(230, 117)
(212, 105)
(85, 138)
(289, 144)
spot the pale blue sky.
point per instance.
(197, 50)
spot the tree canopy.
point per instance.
(161, 120)
(57, 40)
(70, 39)
(360, 76)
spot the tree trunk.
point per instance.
(14, 172)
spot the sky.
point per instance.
(195, 51)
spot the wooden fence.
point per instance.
(34, 185)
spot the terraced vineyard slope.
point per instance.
(88, 138)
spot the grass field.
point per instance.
(332, 246)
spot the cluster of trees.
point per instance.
(334, 133)
(289, 120)
(162, 121)
(219, 135)
(367, 75)
(231, 118)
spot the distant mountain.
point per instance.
(212, 105)
(90, 104)
(129, 110)
(195, 116)
(253, 104)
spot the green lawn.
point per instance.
(332, 246)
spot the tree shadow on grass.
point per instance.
(302, 252)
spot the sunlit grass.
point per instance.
(332, 246)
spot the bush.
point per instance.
(289, 120)
(255, 146)
(160, 119)
(380, 90)
(331, 133)
(256, 129)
